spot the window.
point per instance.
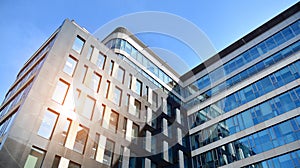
(48, 124)
(124, 126)
(101, 61)
(129, 81)
(121, 157)
(137, 106)
(108, 152)
(90, 53)
(135, 133)
(107, 89)
(117, 96)
(88, 108)
(120, 74)
(56, 161)
(81, 139)
(111, 67)
(60, 91)
(138, 87)
(113, 122)
(65, 131)
(78, 44)
(74, 165)
(95, 146)
(70, 66)
(95, 83)
(35, 158)
(133, 160)
(83, 73)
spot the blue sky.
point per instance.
(25, 25)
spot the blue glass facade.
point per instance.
(275, 58)
(253, 53)
(274, 107)
(267, 139)
(143, 60)
(221, 134)
(247, 94)
(291, 159)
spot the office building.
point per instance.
(81, 102)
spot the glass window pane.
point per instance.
(270, 43)
(117, 96)
(120, 74)
(100, 61)
(88, 107)
(296, 27)
(70, 66)
(74, 165)
(95, 146)
(108, 152)
(65, 131)
(137, 106)
(113, 122)
(138, 88)
(279, 38)
(48, 124)
(35, 158)
(81, 139)
(287, 33)
(56, 161)
(60, 91)
(78, 44)
(95, 83)
(134, 133)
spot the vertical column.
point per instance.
(128, 130)
(179, 136)
(180, 157)
(133, 83)
(125, 163)
(150, 95)
(115, 70)
(178, 118)
(72, 135)
(164, 105)
(70, 99)
(149, 115)
(101, 148)
(165, 151)
(131, 105)
(147, 163)
(148, 141)
(165, 126)
(106, 118)
(63, 162)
